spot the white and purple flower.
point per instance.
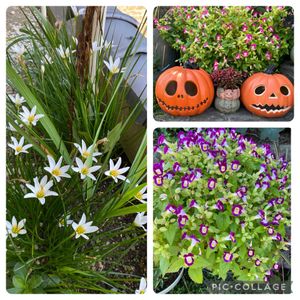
(203, 229)
(237, 210)
(211, 184)
(189, 259)
(227, 256)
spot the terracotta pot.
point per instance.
(227, 101)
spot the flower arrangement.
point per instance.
(74, 206)
(221, 203)
(245, 38)
(228, 78)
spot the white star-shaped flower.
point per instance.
(17, 100)
(82, 228)
(142, 287)
(115, 172)
(140, 220)
(62, 223)
(56, 170)
(41, 189)
(30, 117)
(63, 53)
(84, 170)
(114, 66)
(19, 147)
(141, 195)
(14, 228)
(86, 152)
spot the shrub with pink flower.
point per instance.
(236, 36)
(226, 205)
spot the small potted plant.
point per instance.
(227, 82)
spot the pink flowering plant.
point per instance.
(243, 37)
(222, 203)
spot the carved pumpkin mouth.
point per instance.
(270, 108)
(182, 108)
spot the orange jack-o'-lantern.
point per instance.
(268, 95)
(184, 92)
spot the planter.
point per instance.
(227, 101)
(173, 284)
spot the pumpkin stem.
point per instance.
(189, 65)
(270, 69)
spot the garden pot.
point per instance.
(292, 54)
(173, 284)
(227, 101)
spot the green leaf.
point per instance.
(171, 233)
(128, 210)
(18, 282)
(163, 265)
(15, 290)
(176, 265)
(21, 270)
(113, 137)
(35, 281)
(196, 275)
(223, 269)
(223, 221)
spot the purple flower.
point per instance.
(264, 222)
(161, 139)
(279, 200)
(248, 38)
(245, 53)
(222, 165)
(278, 217)
(169, 175)
(265, 185)
(182, 219)
(270, 230)
(218, 37)
(253, 46)
(227, 256)
(204, 146)
(251, 252)
(257, 262)
(263, 168)
(235, 165)
(158, 168)
(268, 55)
(266, 278)
(232, 236)
(261, 214)
(183, 48)
(171, 208)
(211, 184)
(185, 181)
(158, 180)
(237, 210)
(277, 237)
(193, 203)
(274, 174)
(189, 259)
(205, 45)
(216, 65)
(219, 205)
(238, 56)
(271, 202)
(276, 266)
(244, 27)
(203, 229)
(213, 243)
(198, 173)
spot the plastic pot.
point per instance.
(173, 284)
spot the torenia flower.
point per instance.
(203, 229)
(41, 189)
(211, 184)
(82, 228)
(257, 262)
(62, 223)
(227, 256)
(30, 117)
(86, 152)
(213, 243)
(84, 170)
(237, 210)
(114, 66)
(14, 228)
(251, 252)
(141, 195)
(115, 172)
(140, 220)
(142, 287)
(189, 259)
(19, 147)
(56, 170)
(17, 100)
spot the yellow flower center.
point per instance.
(84, 170)
(56, 172)
(227, 256)
(15, 229)
(139, 196)
(80, 229)
(86, 154)
(114, 173)
(41, 193)
(236, 210)
(19, 148)
(31, 118)
(142, 292)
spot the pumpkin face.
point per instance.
(268, 95)
(184, 92)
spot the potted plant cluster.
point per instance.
(221, 203)
(227, 82)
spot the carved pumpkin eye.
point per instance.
(284, 90)
(171, 88)
(259, 90)
(191, 88)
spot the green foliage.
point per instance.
(234, 36)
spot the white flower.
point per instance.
(48, 59)
(113, 66)
(142, 287)
(56, 170)
(19, 50)
(75, 40)
(140, 220)
(105, 45)
(84, 170)
(63, 53)
(14, 228)
(86, 152)
(115, 172)
(12, 128)
(41, 189)
(17, 100)
(82, 227)
(77, 12)
(62, 223)
(19, 147)
(29, 117)
(141, 195)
